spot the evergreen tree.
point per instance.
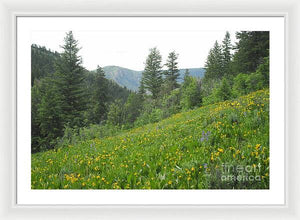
(214, 64)
(226, 48)
(115, 92)
(172, 73)
(186, 80)
(251, 49)
(186, 74)
(71, 82)
(142, 90)
(152, 74)
(35, 122)
(99, 97)
(49, 113)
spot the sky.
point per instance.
(129, 48)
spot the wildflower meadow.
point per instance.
(219, 146)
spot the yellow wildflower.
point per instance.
(220, 150)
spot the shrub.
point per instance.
(191, 96)
(171, 103)
(264, 70)
(223, 92)
(220, 92)
(254, 82)
(146, 118)
(115, 114)
(239, 85)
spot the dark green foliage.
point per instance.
(142, 90)
(172, 73)
(59, 100)
(224, 91)
(75, 136)
(220, 92)
(152, 75)
(250, 57)
(186, 74)
(154, 115)
(190, 93)
(116, 92)
(71, 103)
(255, 82)
(116, 114)
(46, 93)
(70, 82)
(171, 103)
(133, 108)
(264, 70)
(214, 64)
(124, 114)
(99, 97)
(226, 53)
(35, 123)
(240, 86)
(49, 113)
(246, 83)
(252, 48)
(42, 62)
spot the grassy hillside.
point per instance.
(190, 150)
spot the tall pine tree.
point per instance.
(214, 63)
(71, 83)
(172, 73)
(152, 74)
(99, 97)
(226, 53)
(251, 49)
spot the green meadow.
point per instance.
(219, 146)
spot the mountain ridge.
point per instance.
(130, 78)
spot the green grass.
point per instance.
(186, 151)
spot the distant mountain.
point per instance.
(195, 72)
(131, 78)
(123, 76)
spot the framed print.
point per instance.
(184, 113)
(149, 124)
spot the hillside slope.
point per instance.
(123, 76)
(186, 151)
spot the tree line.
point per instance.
(66, 95)
(70, 98)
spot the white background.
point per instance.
(275, 195)
(290, 8)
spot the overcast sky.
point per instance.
(129, 49)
